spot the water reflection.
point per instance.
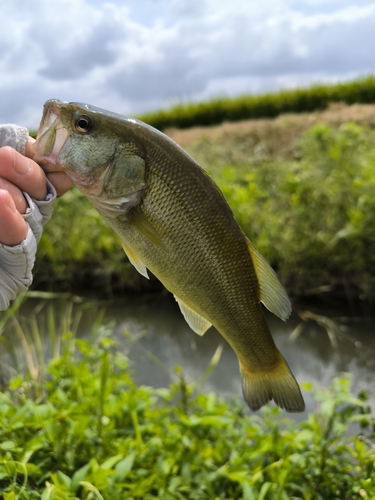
(161, 330)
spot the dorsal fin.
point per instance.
(193, 319)
(272, 292)
(137, 263)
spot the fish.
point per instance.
(173, 220)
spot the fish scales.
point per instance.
(173, 220)
(212, 285)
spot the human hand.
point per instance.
(26, 197)
(19, 173)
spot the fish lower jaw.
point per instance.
(51, 140)
(49, 165)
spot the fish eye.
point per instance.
(83, 124)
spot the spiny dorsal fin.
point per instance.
(137, 263)
(139, 221)
(193, 319)
(272, 292)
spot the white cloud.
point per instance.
(134, 56)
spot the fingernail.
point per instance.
(21, 164)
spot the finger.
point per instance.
(16, 194)
(13, 229)
(23, 173)
(60, 181)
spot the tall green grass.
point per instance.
(83, 430)
(316, 97)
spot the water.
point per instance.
(160, 329)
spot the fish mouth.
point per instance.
(51, 137)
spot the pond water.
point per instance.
(159, 328)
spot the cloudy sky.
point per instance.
(132, 56)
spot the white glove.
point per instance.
(16, 262)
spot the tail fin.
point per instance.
(259, 387)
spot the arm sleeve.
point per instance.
(16, 264)
(14, 136)
(39, 212)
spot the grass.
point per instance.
(300, 100)
(82, 429)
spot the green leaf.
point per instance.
(9, 496)
(59, 478)
(305, 436)
(264, 490)
(248, 492)
(327, 408)
(124, 467)
(307, 386)
(90, 487)
(7, 445)
(79, 476)
(110, 462)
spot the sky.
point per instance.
(133, 56)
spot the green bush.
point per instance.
(313, 219)
(263, 106)
(86, 431)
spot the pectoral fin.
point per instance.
(272, 293)
(137, 263)
(193, 319)
(139, 221)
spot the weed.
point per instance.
(86, 431)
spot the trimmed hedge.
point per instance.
(263, 106)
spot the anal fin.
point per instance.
(272, 292)
(196, 322)
(137, 263)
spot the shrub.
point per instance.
(263, 106)
(86, 431)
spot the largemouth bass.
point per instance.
(173, 220)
